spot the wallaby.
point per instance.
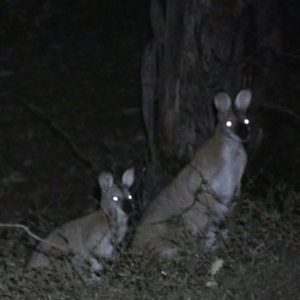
(92, 237)
(198, 199)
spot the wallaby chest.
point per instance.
(226, 179)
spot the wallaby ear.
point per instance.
(128, 177)
(243, 99)
(222, 102)
(106, 181)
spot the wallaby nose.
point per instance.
(127, 206)
(242, 131)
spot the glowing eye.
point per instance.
(246, 121)
(228, 123)
(115, 198)
(129, 197)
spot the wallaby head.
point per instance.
(116, 198)
(233, 123)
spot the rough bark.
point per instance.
(198, 48)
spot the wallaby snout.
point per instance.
(198, 199)
(127, 207)
(85, 241)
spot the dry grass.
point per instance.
(259, 262)
(44, 185)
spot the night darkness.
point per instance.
(71, 106)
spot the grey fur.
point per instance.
(84, 241)
(198, 199)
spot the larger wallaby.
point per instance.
(198, 199)
(92, 237)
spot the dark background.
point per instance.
(70, 106)
(71, 103)
(69, 76)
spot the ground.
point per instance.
(71, 106)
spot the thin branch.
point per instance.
(58, 130)
(62, 134)
(30, 233)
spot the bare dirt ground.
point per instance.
(70, 99)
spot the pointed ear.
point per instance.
(222, 102)
(128, 177)
(243, 99)
(106, 181)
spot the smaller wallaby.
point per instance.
(198, 199)
(92, 237)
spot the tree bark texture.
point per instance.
(199, 47)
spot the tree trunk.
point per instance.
(198, 48)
